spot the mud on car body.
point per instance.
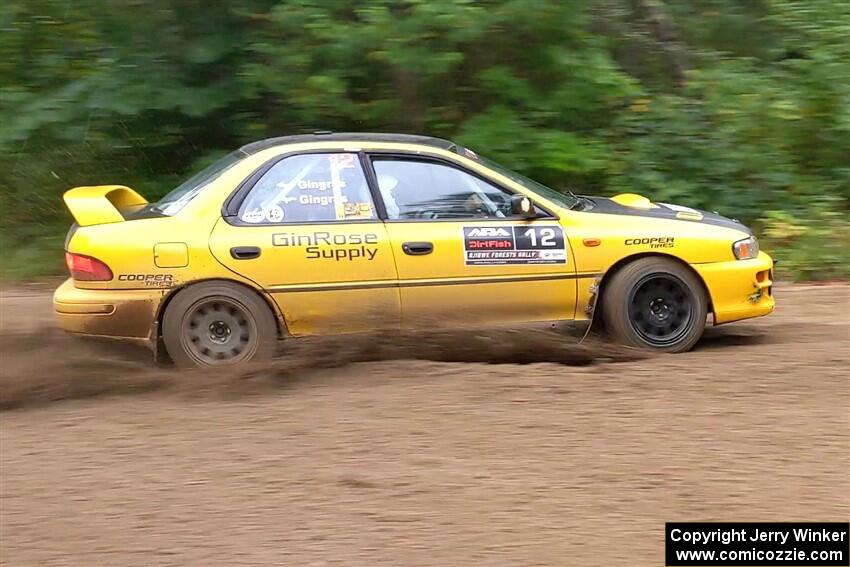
(334, 233)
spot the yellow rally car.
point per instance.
(332, 233)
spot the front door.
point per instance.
(308, 234)
(461, 256)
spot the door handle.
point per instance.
(245, 252)
(417, 248)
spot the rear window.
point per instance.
(180, 196)
(172, 203)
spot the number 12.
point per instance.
(547, 236)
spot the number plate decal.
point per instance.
(494, 245)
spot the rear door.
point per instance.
(460, 254)
(307, 232)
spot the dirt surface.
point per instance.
(577, 458)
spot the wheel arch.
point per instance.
(621, 263)
(157, 344)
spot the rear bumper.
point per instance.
(739, 289)
(122, 314)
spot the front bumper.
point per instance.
(122, 314)
(739, 289)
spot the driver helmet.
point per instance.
(388, 184)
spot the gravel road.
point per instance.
(577, 458)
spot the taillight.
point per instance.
(87, 269)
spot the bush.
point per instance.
(738, 107)
(808, 245)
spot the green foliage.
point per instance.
(795, 241)
(737, 107)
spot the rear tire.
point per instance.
(655, 303)
(218, 323)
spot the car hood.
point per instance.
(637, 205)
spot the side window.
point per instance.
(421, 189)
(310, 188)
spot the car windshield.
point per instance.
(562, 199)
(186, 191)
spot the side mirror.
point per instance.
(522, 206)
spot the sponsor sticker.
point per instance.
(358, 210)
(253, 216)
(148, 280)
(274, 213)
(494, 245)
(321, 245)
(653, 242)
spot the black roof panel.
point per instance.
(255, 147)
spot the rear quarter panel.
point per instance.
(131, 252)
(128, 248)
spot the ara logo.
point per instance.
(489, 232)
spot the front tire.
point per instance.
(218, 323)
(655, 303)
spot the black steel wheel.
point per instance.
(660, 309)
(655, 303)
(217, 323)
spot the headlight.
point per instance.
(746, 249)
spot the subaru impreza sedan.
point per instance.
(336, 233)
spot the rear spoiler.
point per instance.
(101, 204)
